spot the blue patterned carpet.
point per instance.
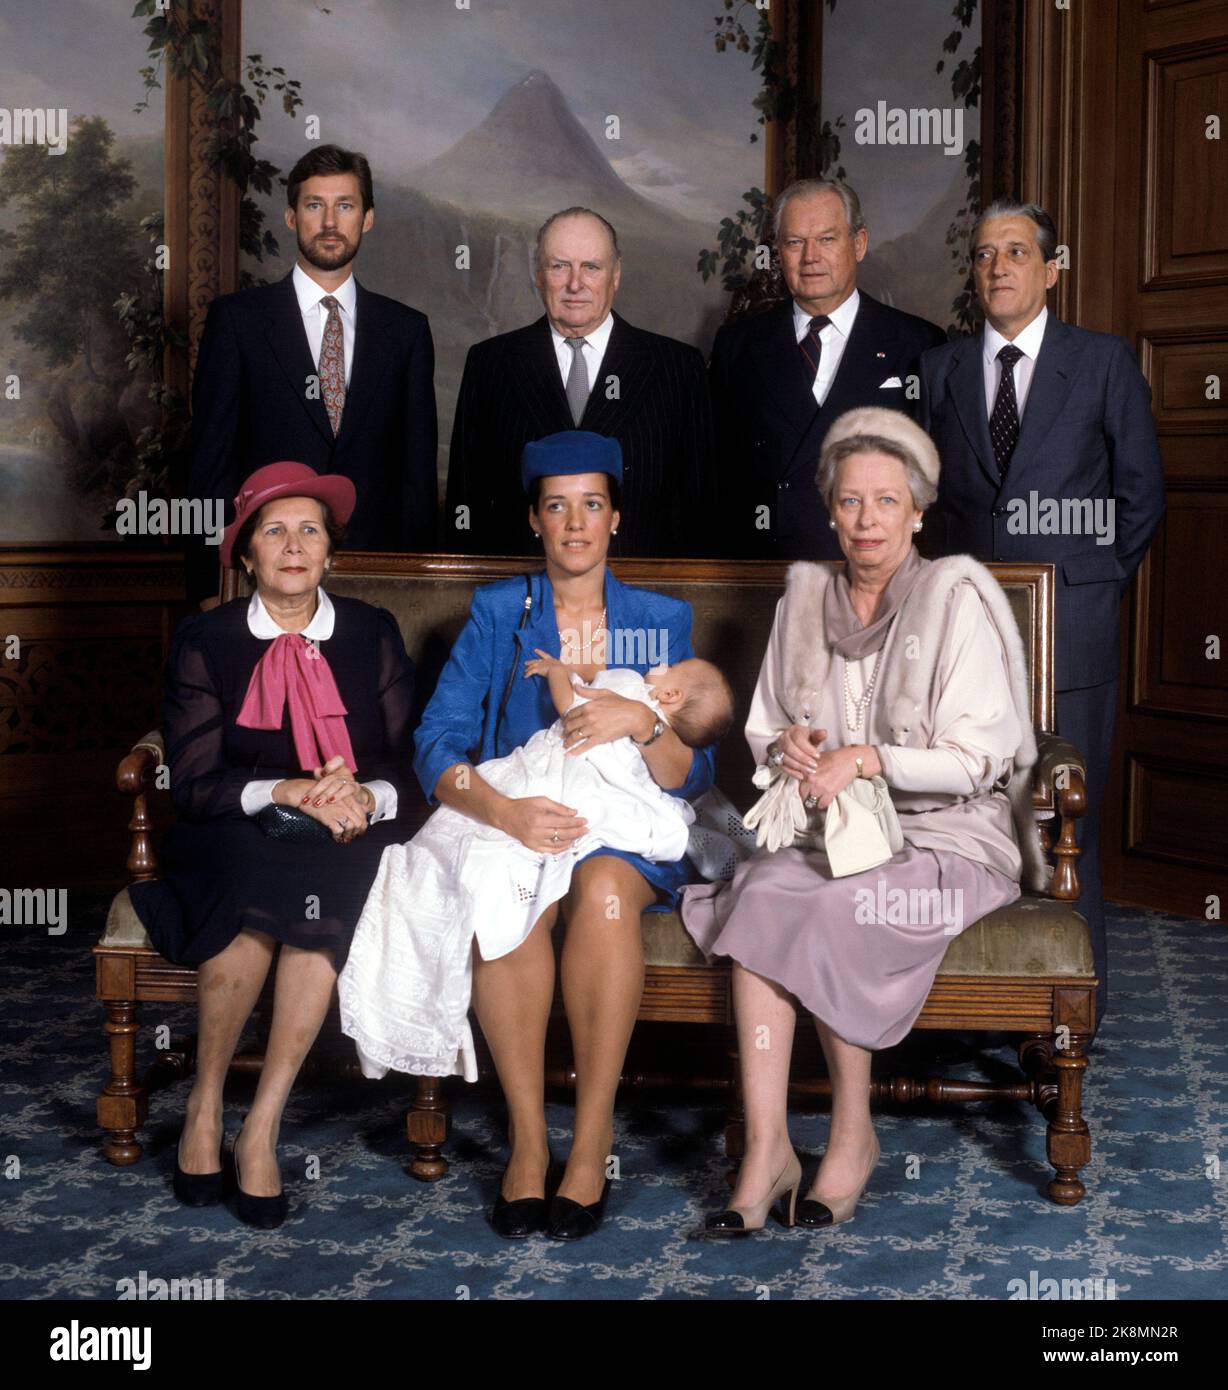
(956, 1208)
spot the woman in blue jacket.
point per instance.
(484, 707)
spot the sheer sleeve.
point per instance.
(396, 695)
(203, 786)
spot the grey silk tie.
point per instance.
(577, 380)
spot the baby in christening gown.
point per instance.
(405, 988)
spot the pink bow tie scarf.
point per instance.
(293, 670)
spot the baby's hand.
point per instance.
(543, 665)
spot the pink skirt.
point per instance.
(861, 952)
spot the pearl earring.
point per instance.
(916, 526)
(614, 532)
(832, 524)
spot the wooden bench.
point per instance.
(1026, 969)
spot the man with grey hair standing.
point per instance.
(1049, 453)
(779, 379)
(582, 366)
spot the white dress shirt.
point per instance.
(1028, 343)
(257, 795)
(593, 351)
(315, 316)
(834, 337)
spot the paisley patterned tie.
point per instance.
(332, 364)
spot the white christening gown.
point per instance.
(404, 991)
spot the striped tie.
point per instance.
(812, 348)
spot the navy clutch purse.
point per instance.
(289, 823)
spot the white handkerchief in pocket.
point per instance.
(891, 381)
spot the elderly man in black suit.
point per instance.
(582, 366)
(318, 370)
(780, 378)
(1048, 453)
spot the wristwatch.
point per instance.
(658, 728)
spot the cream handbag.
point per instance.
(858, 831)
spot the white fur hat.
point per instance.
(886, 424)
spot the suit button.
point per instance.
(999, 511)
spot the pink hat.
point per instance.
(288, 480)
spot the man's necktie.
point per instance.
(1004, 422)
(332, 364)
(577, 380)
(812, 348)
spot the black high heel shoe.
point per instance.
(568, 1220)
(265, 1213)
(200, 1189)
(523, 1217)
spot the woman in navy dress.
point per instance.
(289, 698)
(484, 707)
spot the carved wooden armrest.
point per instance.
(1060, 781)
(132, 778)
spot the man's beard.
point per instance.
(315, 254)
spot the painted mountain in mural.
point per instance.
(530, 156)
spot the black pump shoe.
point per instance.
(568, 1220)
(265, 1213)
(519, 1219)
(199, 1189)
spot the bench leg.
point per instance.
(1069, 1143)
(122, 1106)
(427, 1127)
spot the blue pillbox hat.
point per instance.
(570, 451)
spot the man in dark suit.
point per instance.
(318, 370)
(779, 379)
(582, 366)
(1048, 453)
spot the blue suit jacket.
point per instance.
(1086, 433)
(458, 724)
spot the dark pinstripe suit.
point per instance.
(512, 392)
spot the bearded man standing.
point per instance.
(319, 370)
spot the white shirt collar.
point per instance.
(260, 621)
(598, 339)
(1027, 340)
(841, 317)
(309, 293)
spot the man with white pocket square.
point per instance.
(781, 377)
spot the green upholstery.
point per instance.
(124, 927)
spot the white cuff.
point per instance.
(385, 795)
(257, 795)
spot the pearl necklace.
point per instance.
(578, 647)
(855, 707)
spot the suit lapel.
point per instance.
(371, 358)
(780, 365)
(1052, 376)
(288, 342)
(967, 385)
(859, 363)
(627, 360)
(539, 381)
